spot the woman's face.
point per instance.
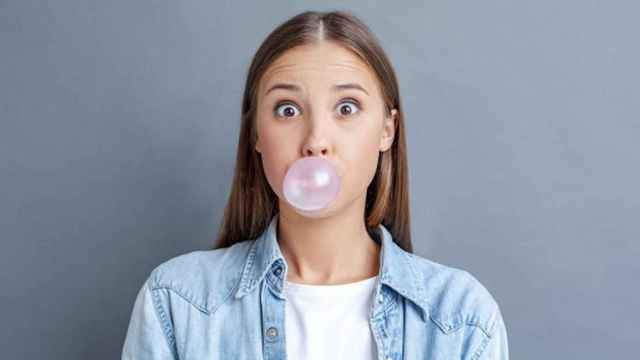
(322, 100)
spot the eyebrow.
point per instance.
(337, 87)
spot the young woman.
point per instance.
(338, 283)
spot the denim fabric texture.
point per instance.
(228, 304)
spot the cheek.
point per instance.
(272, 164)
(275, 156)
(363, 162)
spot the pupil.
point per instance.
(288, 111)
(348, 110)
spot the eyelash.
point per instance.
(345, 100)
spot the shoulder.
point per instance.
(455, 297)
(204, 278)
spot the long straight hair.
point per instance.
(252, 203)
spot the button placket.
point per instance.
(273, 324)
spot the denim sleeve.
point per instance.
(498, 348)
(150, 332)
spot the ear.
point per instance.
(388, 131)
(257, 145)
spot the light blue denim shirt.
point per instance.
(228, 304)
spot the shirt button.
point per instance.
(278, 271)
(272, 332)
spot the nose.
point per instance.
(316, 143)
(315, 148)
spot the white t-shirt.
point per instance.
(329, 321)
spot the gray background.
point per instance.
(118, 131)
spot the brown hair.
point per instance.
(252, 203)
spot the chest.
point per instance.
(259, 326)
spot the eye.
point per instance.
(287, 110)
(348, 110)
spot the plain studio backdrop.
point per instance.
(119, 123)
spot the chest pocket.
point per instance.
(447, 323)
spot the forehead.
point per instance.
(324, 62)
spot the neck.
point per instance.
(329, 251)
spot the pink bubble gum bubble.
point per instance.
(311, 184)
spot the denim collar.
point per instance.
(397, 268)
